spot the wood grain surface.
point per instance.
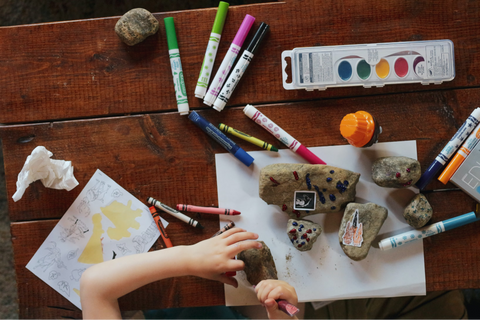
(77, 90)
(82, 69)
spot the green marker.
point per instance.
(211, 53)
(176, 64)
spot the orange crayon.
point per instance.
(160, 227)
(212, 210)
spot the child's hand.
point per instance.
(213, 257)
(270, 290)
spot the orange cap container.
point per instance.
(359, 129)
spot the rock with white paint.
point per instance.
(418, 212)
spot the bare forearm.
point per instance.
(104, 283)
(101, 285)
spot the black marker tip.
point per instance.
(199, 226)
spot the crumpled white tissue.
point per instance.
(55, 174)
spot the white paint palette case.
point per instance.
(369, 65)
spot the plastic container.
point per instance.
(369, 65)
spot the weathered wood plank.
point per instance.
(167, 154)
(81, 69)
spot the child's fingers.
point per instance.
(240, 236)
(228, 280)
(271, 306)
(238, 247)
(235, 265)
(229, 232)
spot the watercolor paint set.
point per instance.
(369, 65)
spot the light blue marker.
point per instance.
(436, 228)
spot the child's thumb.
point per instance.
(271, 305)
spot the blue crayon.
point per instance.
(221, 138)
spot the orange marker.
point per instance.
(360, 129)
(461, 155)
(160, 227)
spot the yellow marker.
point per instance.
(461, 155)
(246, 137)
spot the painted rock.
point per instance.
(305, 189)
(303, 233)
(135, 26)
(360, 225)
(396, 172)
(259, 264)
(418, 212)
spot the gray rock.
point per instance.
(305, 189)
(136, 25)
(303, 233)
(360, 225)
(396, 172)
(259, 264)
(418, 212)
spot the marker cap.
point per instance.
(243, 30)
(258, 37)
(451, 168)
(171, 35)
(358, 128)
(460, 220)
(428, 175)
(309, 155)
(220, 17)
(183, 109)
(249, 110)
(244, 157)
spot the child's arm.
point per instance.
(270, 290)
(101, 285)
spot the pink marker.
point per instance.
(252, 112)
(228, 61)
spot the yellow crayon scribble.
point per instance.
(76, 291)
(93, 252)
(123, 217)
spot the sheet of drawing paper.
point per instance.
(105, 222)
(325, 272)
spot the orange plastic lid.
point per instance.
(358, 128)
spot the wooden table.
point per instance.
(76, 89)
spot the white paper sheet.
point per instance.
(103, 223)
(325, 272)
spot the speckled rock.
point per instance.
(136, 25)
(418, 212)
(303, 233)
(305, 189)
(259, 264)
(396, 172)
(360, 225)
